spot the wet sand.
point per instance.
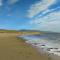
(12, 48)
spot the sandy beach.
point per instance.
(12, 48)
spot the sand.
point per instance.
(12, 48)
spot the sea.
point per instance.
(49, 42)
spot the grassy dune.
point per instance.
(7, 31)
(20, 32)
(12, 48)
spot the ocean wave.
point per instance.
(50, 43)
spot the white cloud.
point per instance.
(1, 3)
(53, 16)
(50, 26)
(12, 1)
(47, 11)
(39, 7)
(50, 22)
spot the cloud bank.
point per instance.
(44, 18)
(40, 6)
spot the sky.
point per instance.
(43, 15)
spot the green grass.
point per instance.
(7, 31)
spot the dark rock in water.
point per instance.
(36, 43)
(55, 48)
(49, 49)
(58, 51)
(42, 45)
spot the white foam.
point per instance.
(46, 45)
(49, 46)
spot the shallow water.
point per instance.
(50, 42)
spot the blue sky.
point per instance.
(13, 14)
(30, 14)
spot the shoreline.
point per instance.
(39, 51)
(44, 47)
(50, 56)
